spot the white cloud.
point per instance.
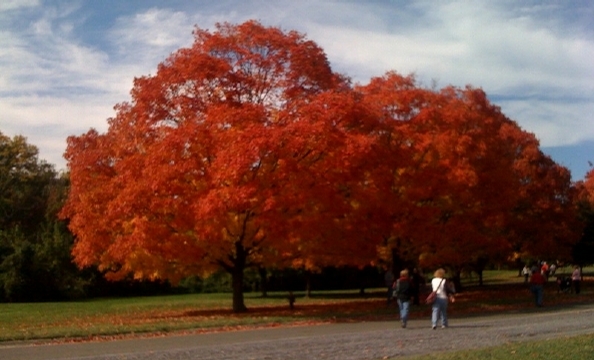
(155, 29)
(53, 86)
(6, 5)
(48, 121)
(44, 58)
(554, 122)
(510, 54)
(536, 65)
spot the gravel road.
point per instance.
(353, 341)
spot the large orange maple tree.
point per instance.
(246, 149)
(239, 152)
(471, 185)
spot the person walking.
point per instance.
(544, 270)
(537, 281)
(526, 273)
(440, 306)
(552, 269)
(576, 279)
(403, 295)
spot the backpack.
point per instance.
(402, 290)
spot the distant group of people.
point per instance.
(537, 276)
(544, 268)
(407, 288)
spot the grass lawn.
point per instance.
(121, 317)
(573, 348)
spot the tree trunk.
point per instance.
(239, 264)
(362, 281)
(237, 283)
(263, 281)
(479, 267)
(457, 280)
(397, 262)
(520, 266)
(307, 284)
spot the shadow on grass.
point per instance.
(489, 300)
(329, 295)
(321, 311)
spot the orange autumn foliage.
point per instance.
(236, 153)
(246, 149)
(476, 187)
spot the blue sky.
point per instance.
(65, 64)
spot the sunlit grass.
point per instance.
(109, 317)
(573, 348)
(205, 312)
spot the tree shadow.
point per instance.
(332, 295)
(329, 311)
(479, 301)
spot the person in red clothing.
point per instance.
(537, 281)
(544, 270)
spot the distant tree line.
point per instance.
(35, 259)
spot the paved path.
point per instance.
(357, 341)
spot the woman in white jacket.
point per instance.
(440, 306)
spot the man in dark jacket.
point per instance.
(403, 295)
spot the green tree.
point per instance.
(24, 181)
(35, 260)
